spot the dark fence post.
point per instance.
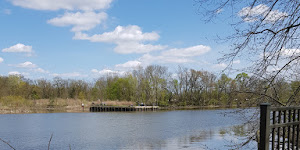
(264, 126)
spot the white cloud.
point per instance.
(94, 71)
(290, 52)
(175, 55)
(236, 62)
(30, 67)
(125, 34)
(187, 52)
(86, 5)
(80, 21)
(26, 64)
(14, 73)
(69, 75)
(1, 60)
(18, 48)
(254, 14)
(220, 66)
(129, 39)
(148, 59)
(129, 65)
(40, 70)
(134, 47)
(83, 18)
(107, 72)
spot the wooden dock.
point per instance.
(123, 109)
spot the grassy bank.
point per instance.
(18, 105)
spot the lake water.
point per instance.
(182, 129)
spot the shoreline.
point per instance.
(78, 109)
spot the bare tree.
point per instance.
(266, 33)
(267, 30)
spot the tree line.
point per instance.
(152, 85)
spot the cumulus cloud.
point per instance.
(134, 47)
(26, 64)
(30, 67)
(107, 72)
(129, 65)
(14, 73)
(175, 55)
(82, 14)
(129, 39)
(124, 34)
(18, 48)
(1, 60)
(40, 70)
(254, 14)
(220, 66)
(69, 75)
(187, 52)
(86, 5)
(148, 59)
(80, 21)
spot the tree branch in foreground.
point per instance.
(262, 94)
(7, 144)
(50, 141)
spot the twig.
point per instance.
(69, 146)
(7, 144)
(50, 141)
(263, 95)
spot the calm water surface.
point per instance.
(186, 129)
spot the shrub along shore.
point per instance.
(22, 106)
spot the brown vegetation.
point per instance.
(56, 105)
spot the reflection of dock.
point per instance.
(120, 108)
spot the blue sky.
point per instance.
(87, 39)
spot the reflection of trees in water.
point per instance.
(197, 137)
(222, 132)
(154, 144)
(200, 139)
(201, 136)
(238, 131)
(238, 136)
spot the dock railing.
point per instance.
(122, 108)
(279, 127)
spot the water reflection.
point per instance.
(142, 130)
(214, 139)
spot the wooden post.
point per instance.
(264, 126)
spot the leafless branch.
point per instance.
(292, 98)
(262, 94)
(50, 141)
(7, 144)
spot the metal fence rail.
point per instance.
(279, 127)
